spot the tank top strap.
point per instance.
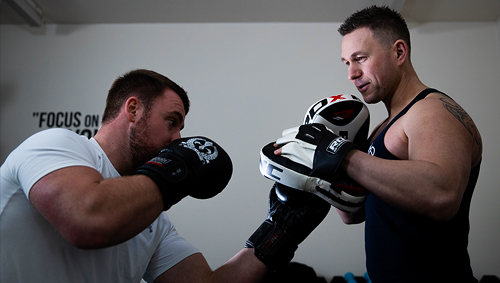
(377, 147)
(417, 98)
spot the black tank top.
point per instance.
(402, 247)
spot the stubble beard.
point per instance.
(140, 150)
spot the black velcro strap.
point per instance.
(166, 170)
(272, 245)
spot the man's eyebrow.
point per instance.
(177, 115)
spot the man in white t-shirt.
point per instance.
(74, 209)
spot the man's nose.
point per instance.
(354, 73)
(176, 135)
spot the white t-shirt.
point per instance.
(33, 251)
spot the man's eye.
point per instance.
(360, 59)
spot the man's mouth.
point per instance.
(362, 87)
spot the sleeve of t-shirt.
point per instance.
(48, 151)
(170, 251)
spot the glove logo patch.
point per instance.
(205, 149)
(159, 161)
(335, 145)
(346, 114)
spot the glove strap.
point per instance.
(272, 246)
(329, 155)
(166, 171)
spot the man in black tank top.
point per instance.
(422, 163)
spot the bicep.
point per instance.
(438, 138)
(57, 187)
(58, 194)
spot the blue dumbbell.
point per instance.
(367, 278)
(349, 278)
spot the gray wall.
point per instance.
(247, 82)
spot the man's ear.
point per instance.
(401, 51)
(132, 109)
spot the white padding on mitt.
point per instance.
(278, 169)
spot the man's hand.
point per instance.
(194, 166)
(292, 216)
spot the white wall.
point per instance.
(247, 82)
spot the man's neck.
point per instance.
(409, 87)
(114, 143)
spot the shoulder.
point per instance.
(54, 137)
(436, 110)
(438, 119)
(55, 142)
(431, 103)
(41, 142)
(50, 150)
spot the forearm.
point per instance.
(129, 206)
(352, 218)
(415, 186)
(91, 212)
(243, 267)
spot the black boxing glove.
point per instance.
(292, 216)
(194, 166)
(317, 147)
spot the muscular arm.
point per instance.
(92, 212)
(352, 218)
(243, 267)
(437, 152)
